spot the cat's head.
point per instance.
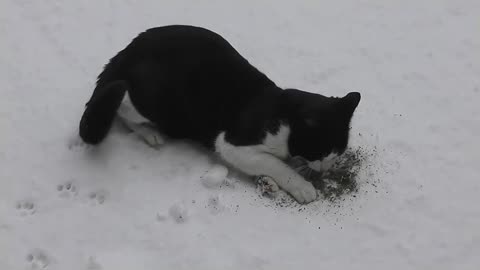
(319, 125)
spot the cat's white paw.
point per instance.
(153, 140)
(267, 186)
(151, 137)
(303, 192)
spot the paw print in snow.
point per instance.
(38, 259)
(97, 197)
(215, 205)
(26, 208)
(67, 190)
(178, 212)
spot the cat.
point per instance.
(192, 84)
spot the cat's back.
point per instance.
(180, 44)
(183, 34)
(190, 57)
(195, 62)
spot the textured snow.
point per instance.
(125, 205)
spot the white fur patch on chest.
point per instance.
(277, 144)
(274, 144)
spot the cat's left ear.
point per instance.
(350, 102)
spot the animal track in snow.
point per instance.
(67, 190)
(215, 205)
(26, 208)
(97, 197)
(38, 259)
(178, 212)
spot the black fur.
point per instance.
(193, 84)
(101, 110)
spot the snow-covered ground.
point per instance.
(125, 205)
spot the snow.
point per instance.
(125, 205)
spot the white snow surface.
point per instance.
(125, 205)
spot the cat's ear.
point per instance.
(350, 102)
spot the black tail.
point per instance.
(101, 110)
(106, 98)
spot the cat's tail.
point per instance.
(102, 107)
(100, 111)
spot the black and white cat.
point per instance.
(192, 84)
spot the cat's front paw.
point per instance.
(303, 192)
(267, 186)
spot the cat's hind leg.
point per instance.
(145, 131)
(139, 125)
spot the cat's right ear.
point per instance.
(350, 101)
